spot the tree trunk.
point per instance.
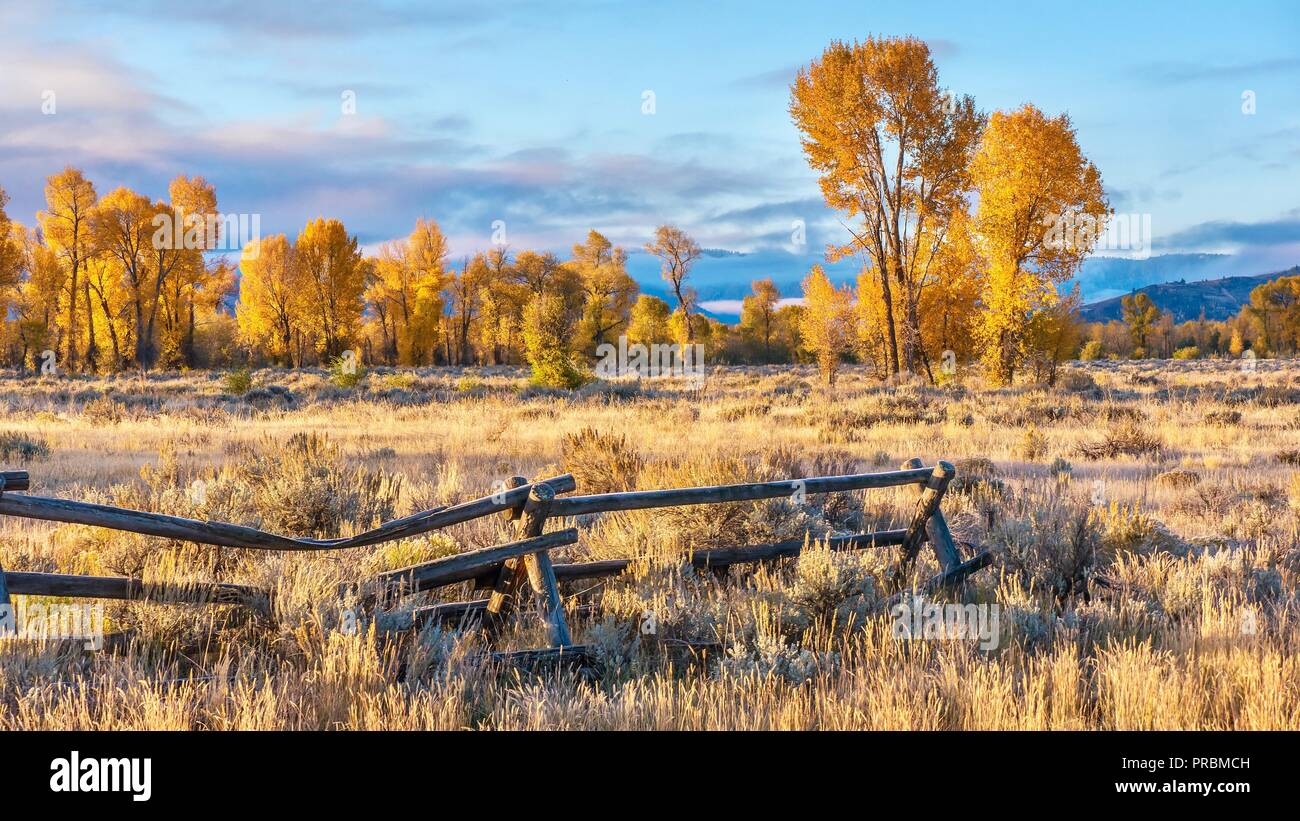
(70, 358)
(892, 344)
(92, 350)
(686, 313)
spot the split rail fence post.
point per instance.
(507, 582)
(931, 495)
(936, 530)
(537, 568)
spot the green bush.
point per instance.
(546, 344)
(238, 382)
(1091, 350)
(1190, 352)
(399, 380)
(346, 371)
(469, 384)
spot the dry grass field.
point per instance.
(1145, 519)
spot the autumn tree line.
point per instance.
(1267, 325)
(90, 285)
(965, 227)
(97, 286)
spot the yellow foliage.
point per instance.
(1033, 180)
(827, 321)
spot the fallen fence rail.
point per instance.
(221, 534)
(121, 587)
(503, 569)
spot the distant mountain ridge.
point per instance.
(1219, 298)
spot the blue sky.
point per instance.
(532, 113)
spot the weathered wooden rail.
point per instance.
(505, 570)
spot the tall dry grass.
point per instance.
(1144, 518)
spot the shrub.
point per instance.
(1293, 491)
(1178, 478)
(1054, 547)
(1125, 438)
(977, 477)
(398, 380)
(1091, 350)
(103, 410)
(1223, 418)
(1126, 529)
(300, 487)
(346, 371)
(469, 384)
(707, 525)
(832, 583)
(1189, 352)
(1076, 381)
(238, 383)
(546, 344)
(406, 552)
(1061, 468)
(601, 462)
(1033, 445)
(22, 448)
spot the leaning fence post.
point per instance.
(541, 572)
(937, 532)
(931, 495)
(536, 567)
(507, 581)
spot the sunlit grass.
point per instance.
(1140, 586)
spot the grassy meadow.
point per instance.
(1144, 516)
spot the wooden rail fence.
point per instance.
(505, 570)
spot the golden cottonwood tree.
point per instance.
(111, 302)
(949, 302)
(1275, 309)
(1053, 335)
(406, 293)
(426, 260)
(501, 308)
(687, 329)
(334, 280)
(1141, 315)
(465, 292)
(608, 290)
(758, 314)
(678, 252)
(123, 228)
(648, 323)
(65, 222)
(826, 325)
(15, 263)
(547, 346)
(544, 273)
(12, 257)
(272, 310)
(872, 312)
(194, 286)
(892, 150)
(1032, 178)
